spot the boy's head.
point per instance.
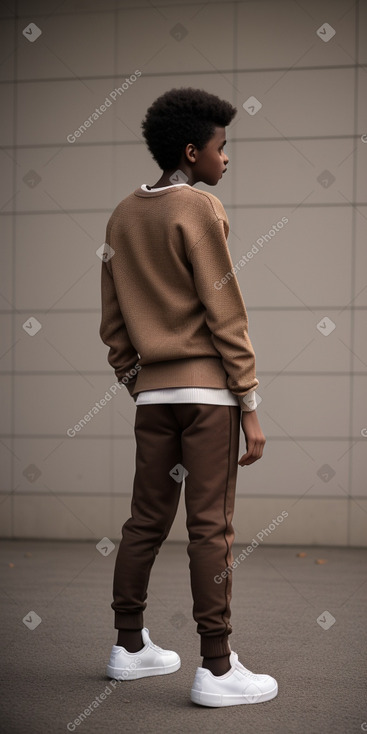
(184, 129)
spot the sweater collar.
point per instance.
(156, 192)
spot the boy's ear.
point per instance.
(190, 152)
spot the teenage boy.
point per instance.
(181, 346)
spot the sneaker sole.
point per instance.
(218, 699)
(121, 674)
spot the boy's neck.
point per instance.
(168, 178)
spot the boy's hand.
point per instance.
(255, 439)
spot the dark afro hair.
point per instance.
(183, 116)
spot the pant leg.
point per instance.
(210, 444)
(154, 505)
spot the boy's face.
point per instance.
(211, 161)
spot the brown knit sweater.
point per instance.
(160, 306)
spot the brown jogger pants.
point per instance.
(204, 439)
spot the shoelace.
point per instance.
(244, 670)
(155, 647)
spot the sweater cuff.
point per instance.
(129, 384)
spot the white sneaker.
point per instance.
(150, 660)
(237, 686)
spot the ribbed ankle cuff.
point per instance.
(214, 647)
(129, 621)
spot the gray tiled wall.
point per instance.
(301, 156)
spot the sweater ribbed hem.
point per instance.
(192, 372)
(214, 647)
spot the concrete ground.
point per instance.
(51, 673)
